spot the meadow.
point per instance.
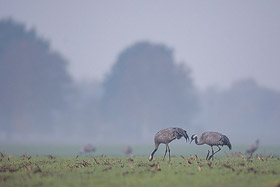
(228, 169)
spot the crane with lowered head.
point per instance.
(166, 136)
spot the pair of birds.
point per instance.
(165, 136)
(90, 148)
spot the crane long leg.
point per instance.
(215, 153)
(212, 153)
(168, 153)
(217, 150)
(165, 152)
(207, 155)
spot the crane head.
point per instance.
(193, 137)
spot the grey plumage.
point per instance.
(212, 139)
(88, 148)
(253, 148)
(128, 150)
(165, 136)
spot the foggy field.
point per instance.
(86, 99)
(50, 165)
(177, 149)
(137, 171)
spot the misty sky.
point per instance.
(221, 41)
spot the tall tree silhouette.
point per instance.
(146, 90)
(33, 80)
(246, 108)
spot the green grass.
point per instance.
(177, 149)
(235, 170)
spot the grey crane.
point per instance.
(212, 139)
(87, 149)
(166, 136)
(128, 150)
(251, 149)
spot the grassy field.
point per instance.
(177, 149)
(234, 170)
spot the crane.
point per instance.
(212, 139)
(128, 150)
(166, 136)
(87, 149)
(253, 148)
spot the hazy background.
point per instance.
(118, 71)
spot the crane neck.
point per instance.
(195, 140)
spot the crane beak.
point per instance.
(191, 141)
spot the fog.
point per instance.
(146, 86)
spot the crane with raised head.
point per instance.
(165, 136)
(212, 139)
(252, 148)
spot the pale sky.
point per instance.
(222, 41)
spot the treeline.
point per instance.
(34, 83)
(146, 90)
